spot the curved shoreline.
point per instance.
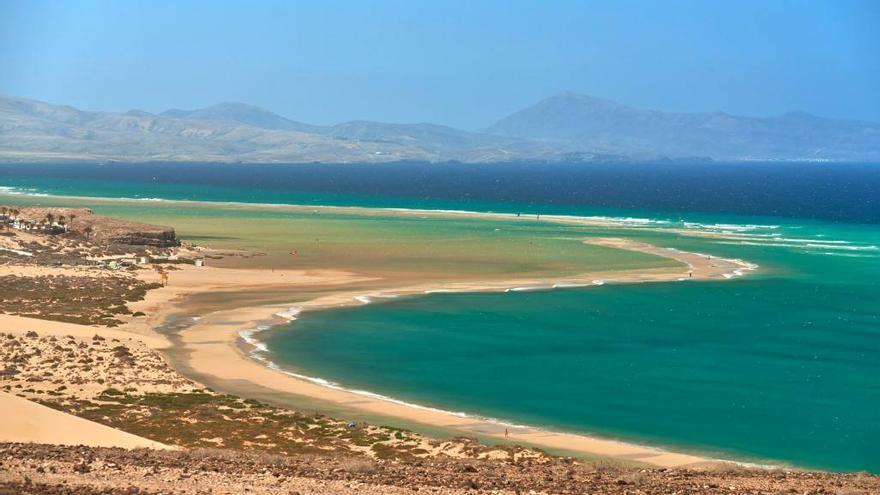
(213, 347)
(640, 223)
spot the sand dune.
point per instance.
(26, 421)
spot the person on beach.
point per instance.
(506, 433)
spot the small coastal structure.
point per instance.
(200, 262)
(82, 221)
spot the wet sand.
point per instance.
(212, 347)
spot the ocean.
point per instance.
(780, 366)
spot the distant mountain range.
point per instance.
(564, 127)
(603, 125)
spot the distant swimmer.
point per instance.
(293, 253)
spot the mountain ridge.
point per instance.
(564, 127)
(595, 123)
(242, 113)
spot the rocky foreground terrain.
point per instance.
(232, 445)
(126, 385)
(26, 469)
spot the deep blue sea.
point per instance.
(830, 191)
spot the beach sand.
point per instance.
(26, 421)
(212, 347)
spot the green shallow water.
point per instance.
(781, 366)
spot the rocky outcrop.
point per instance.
(162, 237)
(96, 228)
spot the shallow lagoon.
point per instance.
(783, 365)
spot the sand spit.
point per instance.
(213, 348)
(255, 447)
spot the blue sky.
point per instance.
(461, 63)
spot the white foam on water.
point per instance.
(22, 191)
(368, 298)
(373, 395)
(846, 255)
(794, 241)
(290, 314)
(820, 241)
(249, 336)
(842, 246)
(727, 227)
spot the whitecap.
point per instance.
(248, 335)
(290, 314)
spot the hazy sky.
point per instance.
(462, 63)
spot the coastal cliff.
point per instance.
(84, 222)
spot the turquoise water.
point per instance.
(781, 366)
